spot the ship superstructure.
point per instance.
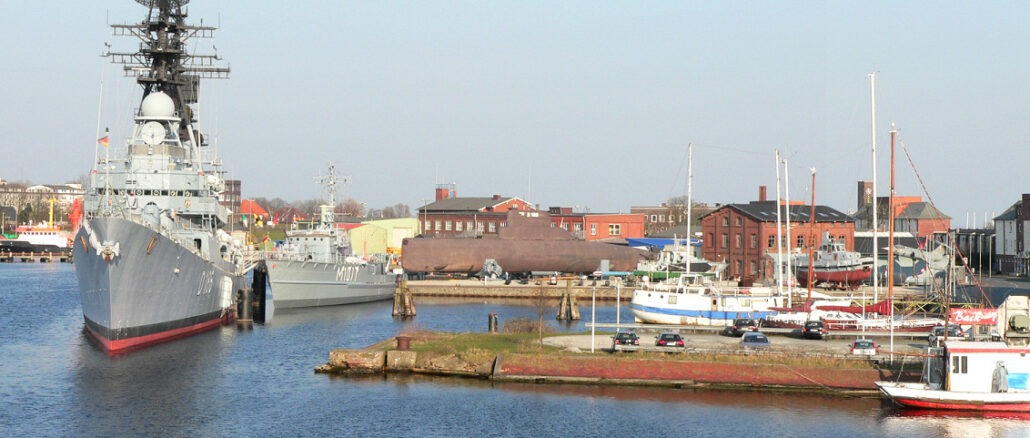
(152, 260)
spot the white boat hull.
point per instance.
(921, 395)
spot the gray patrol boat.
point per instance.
(152, 261)
(318, 267)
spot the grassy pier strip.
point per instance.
(525, 357)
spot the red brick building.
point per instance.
(743, 234)
(598, 226)
(451, 216)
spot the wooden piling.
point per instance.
(403, 305)
(567, 309)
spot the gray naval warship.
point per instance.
(318, 267)
(152, 260)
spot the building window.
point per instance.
(738, 240)
(428, 225)
(565, 226)
(725, 240)
(725, 221)
(801, 241)
(468, 225)
(614, 229)
(436, 226)
(447, 226)
(754, 241)
(740, 221)
(772, 241)
(479, 227)
(577, 227)
(661, 217)
(459, 226)
(492, 227)
(710, 241)
(593, 229)
(753, 269)
(654, 218)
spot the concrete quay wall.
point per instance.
(497, 289)
(613, 370)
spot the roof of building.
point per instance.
(1012, 213)
(249, 206)
(921, 210)
(765, 211)
(911, 210)
(466, 204)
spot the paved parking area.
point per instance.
(603, 342)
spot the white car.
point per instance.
(864, 347)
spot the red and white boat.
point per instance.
(833, 264)
(968, 376)
(839, 314)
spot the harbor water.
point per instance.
(260, 382)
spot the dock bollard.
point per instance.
(403, 343)
(492, 322)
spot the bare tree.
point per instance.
(350, 207)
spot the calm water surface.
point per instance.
(260, 382)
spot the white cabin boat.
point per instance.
(968, 376)
(694, 299)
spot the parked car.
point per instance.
(741, 326)
(754, 340)
(813, 330)
(864, 347)
(668, 340)
(954, 332)
(625, 338)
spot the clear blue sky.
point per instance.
(562, 103)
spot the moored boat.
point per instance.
(41, 238)
(968, 376)
(152, 261)
(694, 299)
(832, 263)
(840, 314)
(318, 267)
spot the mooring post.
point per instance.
(403, 305)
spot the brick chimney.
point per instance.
(761, 193)
(445, 191)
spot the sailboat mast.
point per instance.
(811, 242)
(890, 246)
(690, 203)
(786, 199)
(779, 231)
(875, 205)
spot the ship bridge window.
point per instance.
(959, 364)
(199, 244)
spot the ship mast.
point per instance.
(164, 64)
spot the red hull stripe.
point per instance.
(128, 344)
(964, 406)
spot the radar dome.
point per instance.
(158, 105)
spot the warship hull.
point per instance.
(309, 284)
(153, 290)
